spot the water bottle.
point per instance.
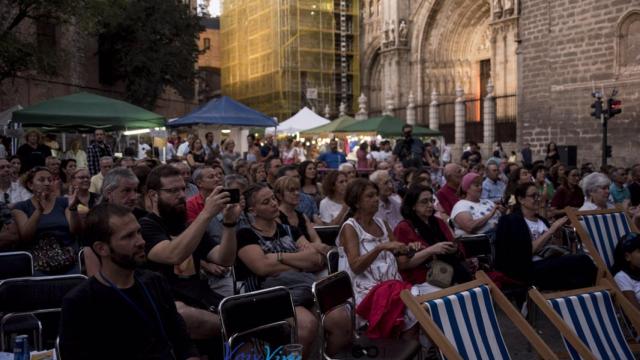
(21, 348)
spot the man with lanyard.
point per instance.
(409, 150)
(176, 250)
(122, 312)
(96, 151)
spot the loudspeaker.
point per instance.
(568, 155)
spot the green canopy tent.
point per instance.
(85, 112)
(329, 128)
(386, 126)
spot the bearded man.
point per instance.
(175, 249)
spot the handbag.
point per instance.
(297, 282)
(51, 257)
(440, 273)
(552, 251)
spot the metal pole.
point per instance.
(603, 119)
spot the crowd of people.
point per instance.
(161, 241)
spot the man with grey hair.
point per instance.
(206, 179)
(389, 202)
(185, 172)
(596, 191)
(448, 195)
(348, 169)
(106, 164)
(120, 187)
(493, 187)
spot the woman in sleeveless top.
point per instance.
(267, 250)
(371, 251)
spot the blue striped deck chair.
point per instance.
(600, 231)
(461, 321)
(588, 321)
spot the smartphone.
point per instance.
(234, 195)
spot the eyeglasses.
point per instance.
(535, 196)
(175, 191)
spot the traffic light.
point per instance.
(597, 108)
(614, 108)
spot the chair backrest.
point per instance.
(476, 245)
(468, 320)
(81, 263)
(15, 264)
(328, 233)
(260, 314)
(36, 293)
(605, 230)
(593, 319)
(332, 291)
(333, 260)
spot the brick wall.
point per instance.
(565, 45)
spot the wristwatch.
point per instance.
(230, 225)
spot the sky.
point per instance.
(214, 7)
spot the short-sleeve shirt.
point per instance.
(447, 198)
(477, 210)
(332, 159)
(186, 284)
(329, 209)
(626, 283)
(283, 240)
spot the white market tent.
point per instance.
(305, 119)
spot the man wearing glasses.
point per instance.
(175, 249)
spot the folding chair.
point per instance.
(335, 292)
(27, 303)
(15, 264)
(587, 321)
(328, 233)
(82, 269)
(265, 315)
(462, 322)
(333, 259)
(600, 231)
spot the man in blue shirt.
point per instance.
(492, 187)
(333, 158)
(618, 190)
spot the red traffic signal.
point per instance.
(615, 107)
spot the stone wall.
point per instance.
(567, 47)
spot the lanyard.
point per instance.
(138, 309)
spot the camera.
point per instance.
(234, 195)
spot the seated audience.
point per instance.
(390, 203)
(493, 187)
(106, 163)
(175, 249)
(348, 169)
(568, 194)
(517, 176)
(627, 267)
(11, 192)
(309, 180)
(374, 260)
(596, 190)
(47, 225)
(448, 195)
(333, 209)
(271, 167)
(80, 183)
(472, 215)
(432, 236)
(185, 172)
(196, 155)
(269, 256)
(287, 191)
(206, 178)
(68, 167)
(520, 237)
(257, 173)
(131, 307)
(307, 205)
(618, 190)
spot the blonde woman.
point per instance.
(76, 153)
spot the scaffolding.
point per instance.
(281, 55)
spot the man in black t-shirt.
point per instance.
(122, 312)
(175, 250)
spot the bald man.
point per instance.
(448, 194)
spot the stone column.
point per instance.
(327, 112)
(388, 109)
(362, 113)
(489, 120)
(434, 121)
(411, 109)
(460, 119)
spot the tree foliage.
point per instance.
(19, 48)
(151, 44)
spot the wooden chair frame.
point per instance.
(619, 300)
(575, 216)
(416, 305)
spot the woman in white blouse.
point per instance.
(472, 215)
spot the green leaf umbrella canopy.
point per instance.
(385, 126)
(86, 111)
(330, 127)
